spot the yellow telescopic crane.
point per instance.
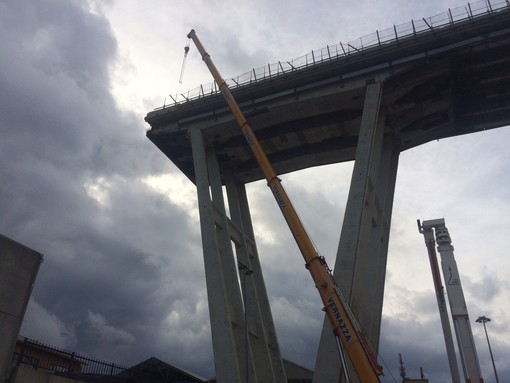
(344, 325)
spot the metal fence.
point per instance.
(379, 38)
(65, 363)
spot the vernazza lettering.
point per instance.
(339, 319)
(278, 196)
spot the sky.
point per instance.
(123, 276)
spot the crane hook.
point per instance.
(186, 50)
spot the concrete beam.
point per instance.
(310, 117)
(244, 338)
(360, 266)
(267, 359)
(225, 333)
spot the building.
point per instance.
(35, 361)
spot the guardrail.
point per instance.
(331, 52)
(57, 361)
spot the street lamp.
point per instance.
(483, 320)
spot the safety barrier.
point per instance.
(57, 361)
(331, 52)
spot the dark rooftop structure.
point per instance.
(155, 370)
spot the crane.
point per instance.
(350, 337)
(458, 308)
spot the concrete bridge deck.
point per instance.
(441, 83)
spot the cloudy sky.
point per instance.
(123, 276)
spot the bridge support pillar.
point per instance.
(360, 265)
(263, 340)
(242, 353)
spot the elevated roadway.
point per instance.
(445, 82)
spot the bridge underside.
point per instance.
(366, 107)
(448, 83)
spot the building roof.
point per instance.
(160, 371)
(294, 372)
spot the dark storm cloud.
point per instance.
(72, 169)
(429, 354)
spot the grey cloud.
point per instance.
(485, 290)
(429, 353)
(108, 275)
(46, 327)
(106, 333)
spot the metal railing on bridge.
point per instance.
(331, 52)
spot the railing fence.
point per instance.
(65, 363)
(379, 38)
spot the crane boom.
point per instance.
(341, 318)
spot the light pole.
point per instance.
(483, 320)
(246, 271)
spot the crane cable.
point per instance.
(186, 50)
(387, 367)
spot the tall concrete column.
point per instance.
(360, 265)
(267, 359)
(241, 353)
(227, 324)
(369, 275)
